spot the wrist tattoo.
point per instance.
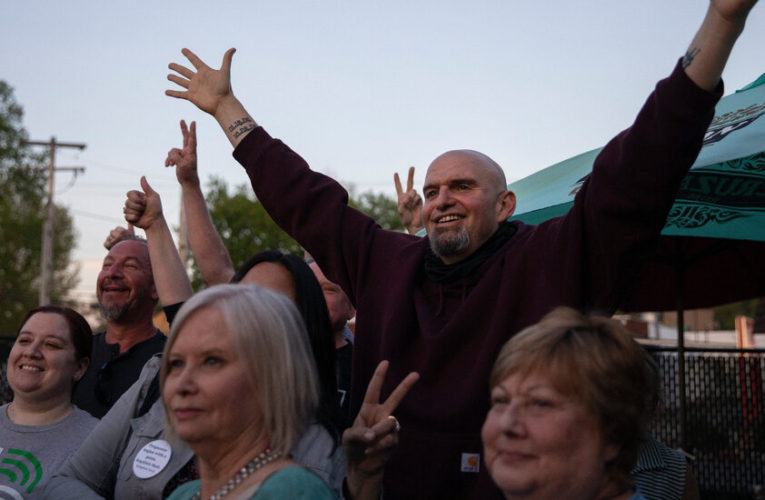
(689, 55)
(240, 122)
(243, 130)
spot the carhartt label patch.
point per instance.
(470, 462)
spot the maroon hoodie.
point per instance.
(450, 332)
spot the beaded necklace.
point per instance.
(256, 463)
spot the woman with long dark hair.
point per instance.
(309, 300)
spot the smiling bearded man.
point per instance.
(126, 297)
(465, 201)
(125, 285)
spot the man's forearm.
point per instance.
(708, 53)
(235, 121)
(170, 276)
(210, 254)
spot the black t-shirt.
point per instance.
(110, 373)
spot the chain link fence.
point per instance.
(724, 421)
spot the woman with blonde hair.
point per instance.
(568, 410)
(239, 387)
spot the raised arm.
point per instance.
(706, 56)
(209, 252)
(409, 203)
(144, 210)
(210, 90)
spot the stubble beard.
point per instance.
(114, 312)
(450, 243)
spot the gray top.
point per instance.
(31, 454)
(103, 467)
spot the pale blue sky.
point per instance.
(361, 89)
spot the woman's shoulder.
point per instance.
(80, 419)
(294, 482)
(318, 453)
(185, 491)
(73, 427)
(315, 445)
(80, 415)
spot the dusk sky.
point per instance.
(360, 89)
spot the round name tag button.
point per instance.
(152, 459)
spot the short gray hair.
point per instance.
(270, 337)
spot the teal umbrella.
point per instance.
(714, 232)
(723, 195)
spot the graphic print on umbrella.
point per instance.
(725, 196)
(714, 230)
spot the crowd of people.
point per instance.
(483, 363)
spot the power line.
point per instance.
(115, 220)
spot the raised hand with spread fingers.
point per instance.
(210, 90)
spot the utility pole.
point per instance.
(46, 262)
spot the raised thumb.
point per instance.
(145, 186)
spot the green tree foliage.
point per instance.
(380, 207)
(246, 228)
(22, 203)
(725, 315)
(243, 225)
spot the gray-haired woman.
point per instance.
(239, 387)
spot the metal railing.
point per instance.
(724, 417)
